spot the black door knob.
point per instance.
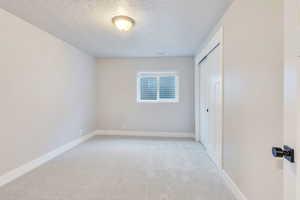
(277, 152)
(286, 152)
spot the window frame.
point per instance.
(157, 75)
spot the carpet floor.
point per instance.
(124, 168)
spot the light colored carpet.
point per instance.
(124, 168)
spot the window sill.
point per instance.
(157, 102)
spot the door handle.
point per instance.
(287, 152)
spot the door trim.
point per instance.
(215, 42)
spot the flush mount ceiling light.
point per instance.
(123, 23)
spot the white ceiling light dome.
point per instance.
(123, 23)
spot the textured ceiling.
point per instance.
(163, 27)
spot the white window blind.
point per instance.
(167, 87)
(148, 88)
(157, 87)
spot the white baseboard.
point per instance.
(22, 170)
(232, 186)
(146, 133)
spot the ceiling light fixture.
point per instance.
(123, 23)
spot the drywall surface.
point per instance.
(117, 99)
(253, 96)
(162, 25)
(48, 94)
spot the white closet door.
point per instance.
(204, 103)
(214, 96)
(210, 103)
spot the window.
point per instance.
(157, 87)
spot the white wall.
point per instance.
(253, 96)
(47, 92)
(117, 105)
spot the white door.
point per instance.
(292, 97)
(210, 103)
(204, 73)
(214, 94)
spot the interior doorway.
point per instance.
(210, 90)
